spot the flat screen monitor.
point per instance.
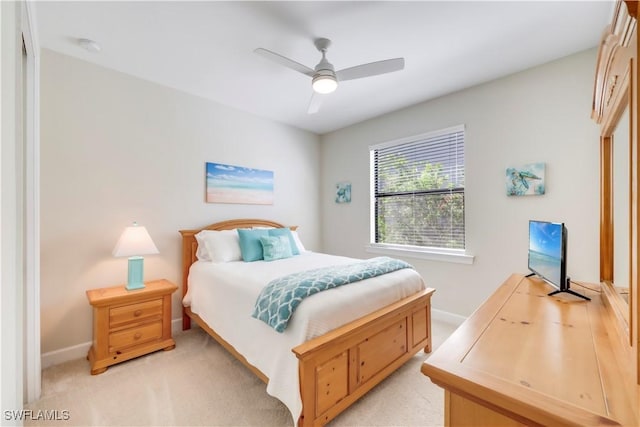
(548, 252)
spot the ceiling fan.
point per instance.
(324, 78)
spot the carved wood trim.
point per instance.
(616, 88)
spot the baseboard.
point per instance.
(176, 326)
(80, 351)
(446, 317)
(56, 357)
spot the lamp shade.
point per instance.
(134, 241)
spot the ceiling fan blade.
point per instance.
(371, 69)
(315, 102)
(289, 63)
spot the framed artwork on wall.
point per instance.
(343, 192)
(526, 180)
(237, 184)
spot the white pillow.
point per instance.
(201, 253)
(296, 238)
(218, 246)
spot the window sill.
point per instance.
(432, 254)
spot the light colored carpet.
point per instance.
(200, 384)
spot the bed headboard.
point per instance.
(190, 246)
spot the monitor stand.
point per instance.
(569, 291)
(566, 289)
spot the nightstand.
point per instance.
(128, 324)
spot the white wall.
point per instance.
(117, 149)
(539, 115)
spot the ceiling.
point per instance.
(206, 48)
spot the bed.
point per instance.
(321, 368)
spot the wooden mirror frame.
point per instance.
(615, 89)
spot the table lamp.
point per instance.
(133, 243)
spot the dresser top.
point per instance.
(553, 359)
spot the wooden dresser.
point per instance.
(128, 324)
(525, 358)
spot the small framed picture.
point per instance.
(343, 192)
(525, 180)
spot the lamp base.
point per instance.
(134, 286)
(136, 273)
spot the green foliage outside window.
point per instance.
(418, 204)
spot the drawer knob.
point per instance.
(137, 313)
(137, 336)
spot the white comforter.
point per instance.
(223, 295)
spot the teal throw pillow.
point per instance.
(276, 247)
(285, 232)
(250, 246)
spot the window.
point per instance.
(418, 191)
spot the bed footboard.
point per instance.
(339, 367)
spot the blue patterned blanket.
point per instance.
(279, 299)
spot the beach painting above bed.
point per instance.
(237, 184)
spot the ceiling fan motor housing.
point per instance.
(325, 68)
(324, 80)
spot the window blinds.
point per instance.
(419, 191)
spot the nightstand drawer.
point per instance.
(135, 336)
(134, 312)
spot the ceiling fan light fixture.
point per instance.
(324, 83)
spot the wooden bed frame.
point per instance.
(339, 367)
